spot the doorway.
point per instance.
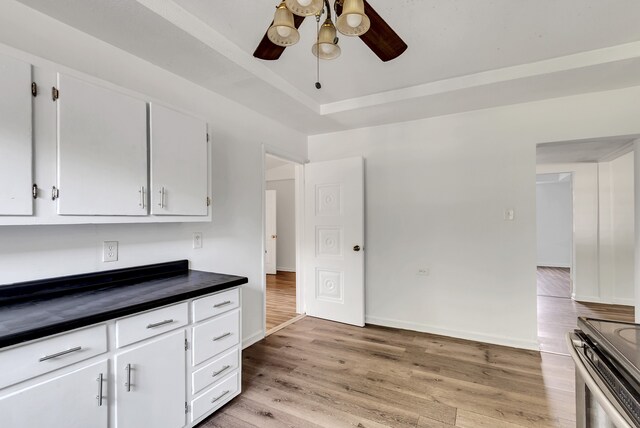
(281, 256)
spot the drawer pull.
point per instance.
(100, 397)
(60, 354)
(215, 339)
(158, 324)
(220, 371)
(128, 382)
(220, 396)
(219, 305)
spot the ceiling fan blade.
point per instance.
(269, 51)
(380, 38)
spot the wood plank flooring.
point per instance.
(558, 313)
(316, 373)
(281, 298)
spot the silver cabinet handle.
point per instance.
(220, 371)
(128, 382)
(143, 195)
(99, 396)
(60, 354)
(158, 324)
(219, 305)
(215, 339)
(161, 197)
(220, 396)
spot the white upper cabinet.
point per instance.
(102, 151)
(178, 153)
(16, 174)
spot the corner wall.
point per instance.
(436, 191)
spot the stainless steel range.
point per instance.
(607, 357)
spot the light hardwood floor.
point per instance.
(317, 373)
(557, 312)
(281, 298)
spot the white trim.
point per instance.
(255, 337)
(299, 192)
(460, 334)
(554, 265)
(285, 269)
(626, 301)
(613, 301)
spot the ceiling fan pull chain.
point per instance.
(318, 84)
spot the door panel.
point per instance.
(16, 173)
(102, 150)
(270, 256)
(178, 163)
(334, 240)
(157, 391)
(68, 401)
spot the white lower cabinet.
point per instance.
(75, 400)
(151, 385)
(151, 377)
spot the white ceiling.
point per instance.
(272, 162)
(463, 54)
(598, 150)
(553, 178)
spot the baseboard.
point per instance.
(625, 301)
(467, 335)
(595, 299)
(255, 337)
(285, 269)
(555, 265)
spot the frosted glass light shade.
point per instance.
(325, 48)
(353, 21)
(304, 7)
(283, 32)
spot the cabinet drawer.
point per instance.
(210, 306)
(213, 372)
(215, 336)
(34, 359)
(149, 324)
(215, 397)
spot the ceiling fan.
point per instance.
(354, 18)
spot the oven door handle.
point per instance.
(616, 417)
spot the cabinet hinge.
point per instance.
(55, 193)
(34, 191)
(207, 137)
(34, 89)
(55, 94)
(208, 201)
(186, 345)
(186, 408)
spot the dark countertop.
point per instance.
(37, 314)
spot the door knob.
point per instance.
(274, 236)
(356, 248)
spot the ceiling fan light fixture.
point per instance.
(353, 21)
(327, 46)
(304, 7)
(283, 31)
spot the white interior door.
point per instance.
(271, 232)
(334, 240)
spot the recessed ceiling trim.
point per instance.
(182, 19)
(570, 62)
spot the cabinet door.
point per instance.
(16, 173)
(150, 384)
(178, 163)
(69, 401)
(102, 150)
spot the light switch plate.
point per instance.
(110, 251)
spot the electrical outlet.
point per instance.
(110, 251)
(509, 214)
(197, 240)
(423, 272)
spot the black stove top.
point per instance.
(620, 341)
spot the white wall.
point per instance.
(554, 223)
(232, 242)
(286, 223)
(603, 211)
(436, 191)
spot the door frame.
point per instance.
(268, 149)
